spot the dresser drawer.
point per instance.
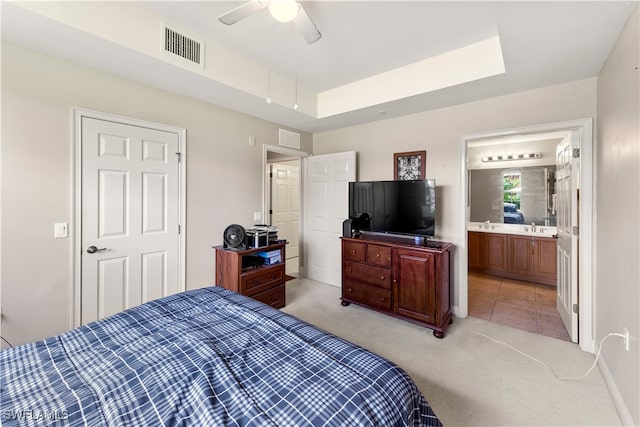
(275, 297)
(261, 280)
(354, 251)
(369, 274)
(368, 295)
(379, 255)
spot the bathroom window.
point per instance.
(511, 181)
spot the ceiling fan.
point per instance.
(281, 10)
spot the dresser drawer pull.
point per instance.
(350, 289)
(349, 270)
(382, 299)
(273, 276)
(377, 255)
(353, 251)
(381, 277)
(256, 281)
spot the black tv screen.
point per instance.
(403, 207)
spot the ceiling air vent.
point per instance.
(183, 46)
(289, 139)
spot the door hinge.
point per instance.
(179, 229)
(179, 157)
(576, 230)
(575, 308)
(270, 212)
(270, 174)
(576, 153)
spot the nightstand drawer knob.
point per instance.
(381, 277)
(350, 289)
(382, 299)
(255, 282)
(353, 251)
(349, 270)
(377, 255)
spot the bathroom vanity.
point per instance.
(513, 251)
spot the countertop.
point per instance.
(519, 229)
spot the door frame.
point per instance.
(76, 221)
(300, 154)
(586, 288)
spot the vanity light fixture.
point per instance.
(505, 157)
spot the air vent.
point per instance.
(183, 46)
(289, 139)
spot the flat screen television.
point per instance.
(402, 207)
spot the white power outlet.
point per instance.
(626, 339)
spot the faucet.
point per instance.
(486, 224)
(533, 227)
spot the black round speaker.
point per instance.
(234, 237)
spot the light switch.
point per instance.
(257, 216)
(60, 230)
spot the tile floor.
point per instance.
(522, 305)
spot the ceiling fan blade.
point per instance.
(243, 11)
(306, 26)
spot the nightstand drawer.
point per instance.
(261, 280)
(377, 276)
(275, 297)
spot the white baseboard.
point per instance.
(623, 411)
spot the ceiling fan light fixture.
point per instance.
(283, 10)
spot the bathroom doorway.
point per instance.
(517, 140)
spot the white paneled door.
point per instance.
(130, 216)
(285, 208)
(567, 222)
(327, 206)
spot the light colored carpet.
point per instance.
(468, 379)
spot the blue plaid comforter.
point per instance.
(207, 357)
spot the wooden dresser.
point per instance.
(392, 275)
(264, 282)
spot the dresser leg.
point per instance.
(345, 303)
(438, 334)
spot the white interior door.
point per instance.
(130, 216)
(285, 208)
(567, 218)
(327, 206)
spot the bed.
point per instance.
(206, 357)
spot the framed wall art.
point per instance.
(409, 165)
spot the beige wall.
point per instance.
(440, 131)
(617, 212)
(224, 179)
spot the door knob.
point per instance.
(93, 249)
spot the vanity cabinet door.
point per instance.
(520, 259)
(487, 252)
(496, 252)
(475, 249)
(545, 261)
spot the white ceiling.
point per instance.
(543, 43)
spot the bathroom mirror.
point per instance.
(514, 195)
